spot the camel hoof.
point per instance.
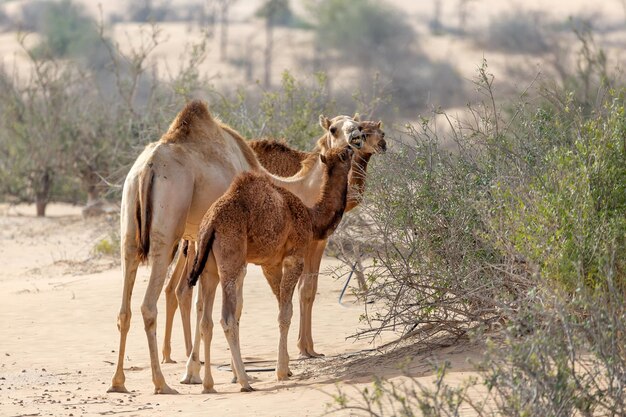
(168, 360)
(118, 388)
(247, 389)
(209, 391)
(165, 390)
(283, 376)
(191, 380)
(234, 380)
(310, 355)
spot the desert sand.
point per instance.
(59, 335)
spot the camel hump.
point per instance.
(270, 145)
(194, 114)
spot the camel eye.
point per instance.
(333, 130)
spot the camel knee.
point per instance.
(284, 323)
(149, 317)
(308, 291)
(284, 317)
(181, 292)
(206, 325)
(123, 321)
(169, 289)
(228, 324)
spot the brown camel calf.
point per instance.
(259, 222)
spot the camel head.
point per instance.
(374, 138)
(340, 131)
(336, 157)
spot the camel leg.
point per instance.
(184, 294)
(192, 368)
(292, 270)
(164, 238)
(129, 267)
(206, 294)
(232, 283)
(160, 259)
(205, 306)
(238, 317)
(308, 288)
(171, 304)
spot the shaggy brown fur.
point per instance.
(284, 160)
(259, 222)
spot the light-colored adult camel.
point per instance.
(166, 193)
(178, 293)
(256, 221)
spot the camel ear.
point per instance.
(324, 122)
(356, 117)
(323, 158)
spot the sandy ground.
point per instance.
(59, 338)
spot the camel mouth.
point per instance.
(356, 139)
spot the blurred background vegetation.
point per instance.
(503, 222)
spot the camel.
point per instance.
(256, 221)
(167, 191)
(177, 293)
(282, 160)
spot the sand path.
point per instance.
(58, 335)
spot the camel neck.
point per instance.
(329, 208)
(306, 182)
(357, 177)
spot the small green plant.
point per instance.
(107, 246)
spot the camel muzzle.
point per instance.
(356, 139)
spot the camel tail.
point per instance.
(144, 216)
(205, 245)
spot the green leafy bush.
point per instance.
(568, 218)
